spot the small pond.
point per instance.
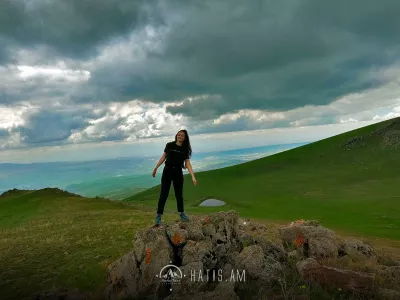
(212, 202)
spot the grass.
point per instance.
(354, 190)
(49, 239)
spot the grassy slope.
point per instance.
(349, 190)
(50, 238)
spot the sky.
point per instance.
(107, 78)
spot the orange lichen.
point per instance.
(177, 238)
(206, 220)
(299, 241)
(148, 256)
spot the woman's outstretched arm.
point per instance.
(162, 159)
(189, 167)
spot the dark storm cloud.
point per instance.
(5, 56)
(367, 19)
(4, 133)
(53, 126)
(272, 55)
(14, 89)
(72, 28)
(261, 55)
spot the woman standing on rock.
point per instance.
(177, 157)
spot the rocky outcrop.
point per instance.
(134, 274)
(206, 257)
(223, 256)
(392, 126)
(388, 135)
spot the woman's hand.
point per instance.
(194, 180)
(154, 172)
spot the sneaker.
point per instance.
(158, 219)
(183, 217)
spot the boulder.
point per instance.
(356, 247)
(311, 270)
(246, 239)
(136, 272)
(122, 276)
(252, 259)
(270, 248)
(311, 238)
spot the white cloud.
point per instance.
(11, 117)
(257, 116)
(388, 116)
(52, 73)
(350, 120)
(130, 121)
(12, 142)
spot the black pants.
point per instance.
(175, 175)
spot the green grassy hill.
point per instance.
(50, 237)
(349, 182)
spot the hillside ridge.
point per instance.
(44, 191)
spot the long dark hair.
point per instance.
(185, 144)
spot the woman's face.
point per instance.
(180, 136)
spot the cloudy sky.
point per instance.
(120, 77)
